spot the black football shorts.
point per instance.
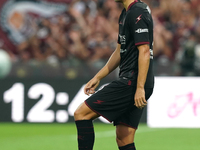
(115, 102)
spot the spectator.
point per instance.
(87, 32)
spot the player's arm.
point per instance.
(143, 67)
(111, 65)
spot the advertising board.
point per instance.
(175, 103)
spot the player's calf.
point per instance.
(83, 118)
(85, 133)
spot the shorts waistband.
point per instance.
(131, 82)
(126, 81)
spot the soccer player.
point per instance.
(122, 101)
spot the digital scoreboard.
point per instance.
(43, 101)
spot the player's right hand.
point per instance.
(91, 86)
(139, 98)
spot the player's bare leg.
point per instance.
(83, 119)
(125, 137)
(83, 112)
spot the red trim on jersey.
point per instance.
(131, 4)
(142, 43)
(97, 112)
(129, 82)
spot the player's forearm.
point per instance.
(102, 73)
(143, 65)
(111, 65)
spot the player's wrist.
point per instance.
(97, 77)
(140, 86)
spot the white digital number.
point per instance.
(39, 112)
(15, 96)
(45, 95)
(77, 100)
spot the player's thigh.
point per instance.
(83, 112)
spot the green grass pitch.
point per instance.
(26, 136)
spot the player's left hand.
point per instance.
(139, 98)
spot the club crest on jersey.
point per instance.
(98, 102)
(141, 30)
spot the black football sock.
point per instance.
(128, 147)
(85, 134)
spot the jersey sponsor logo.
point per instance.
(98, 102)
(123, 50)
(122, 39)
(138, 19)
(141, 30)
(151, 54)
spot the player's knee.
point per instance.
(78, 114)
(84, 113)
(124, 140)
(75, 114)
(124, 135)
(121, 141)
(121, 137)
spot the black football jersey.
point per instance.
(135, 28)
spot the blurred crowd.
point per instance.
(177, 35)
(87, 33)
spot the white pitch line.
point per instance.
(103, 134)
(111, 133)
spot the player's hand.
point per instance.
(91, 86)
(139, 98)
